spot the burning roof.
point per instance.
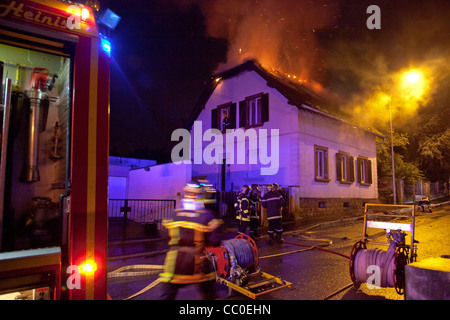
(298, 93)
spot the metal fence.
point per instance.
(141, 210)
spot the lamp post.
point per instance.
(394, 194)
(413, 79)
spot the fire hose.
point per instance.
(365, 263)
(234, 259)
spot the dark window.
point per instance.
(224, 117)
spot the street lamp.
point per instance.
(413, 81)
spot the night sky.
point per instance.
(165, 51)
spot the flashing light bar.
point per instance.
(84, 14)
(106, 45)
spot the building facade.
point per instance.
(255, 127)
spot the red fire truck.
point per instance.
(54, 66)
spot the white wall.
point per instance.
(165, 181)
(336, 136)
(282, 116)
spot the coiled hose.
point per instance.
(240, 252)
(384, 260)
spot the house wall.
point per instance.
(299, 131)
(336, 136)
(119, 169)
(165, 181)
(333, 197)
(282, 117)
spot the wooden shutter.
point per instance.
(369, 171)
(316, 167)
(265, 107)
(233, 116)
(243, 113)
(214, 119)
(338, 167)
(351, 168)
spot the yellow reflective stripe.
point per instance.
(212, 225)
(174, 234)
(92, 165)
(200, 277)
(169, 263)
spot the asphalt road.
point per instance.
(314, 274)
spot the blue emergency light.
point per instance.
(106, 45)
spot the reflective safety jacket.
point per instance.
(273, 201)
(242, 207)
(254, 199)
(190, 231)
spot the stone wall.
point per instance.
(336, 207)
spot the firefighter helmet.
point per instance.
(246, 188)
(200, 190)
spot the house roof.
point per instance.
(297, 94)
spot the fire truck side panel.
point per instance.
(90, 132)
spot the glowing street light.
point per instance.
(412, 76)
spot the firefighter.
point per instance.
(273, 201)
(255, 200)
(242, 207)
(193, 227)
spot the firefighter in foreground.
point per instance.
(273, 201)
(193, 227)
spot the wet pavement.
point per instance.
(314, 274)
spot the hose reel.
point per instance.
(383, 268)
(234, 259)
(378, 267)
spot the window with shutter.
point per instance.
(254, 110)
(224, 117)
(321, 164)
(345, 168)
(364, 169)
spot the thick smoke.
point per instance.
(328, 42)
(281, 35)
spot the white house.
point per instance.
(326, 163)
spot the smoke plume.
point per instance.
(281, 35)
